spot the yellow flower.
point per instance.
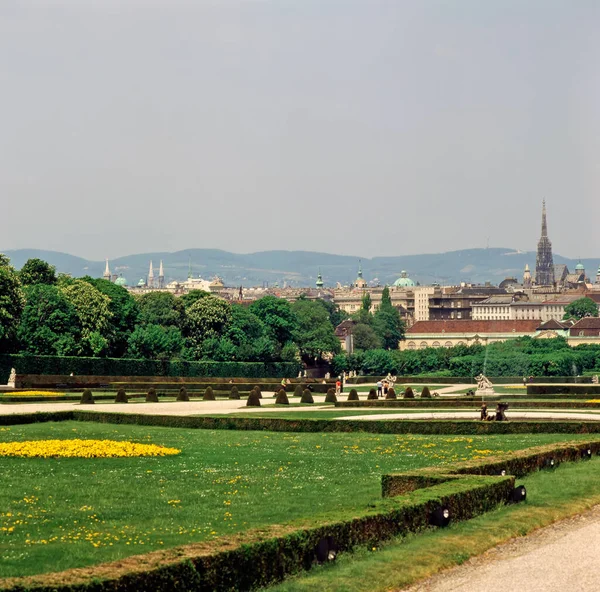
(82, 449)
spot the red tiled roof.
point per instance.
(469, 326)
(587, 323)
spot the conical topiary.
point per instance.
(330, 396)
(151, 396)
(253, 399)
(408, 393)
(234, 394)
(208, 394)
(298, 391)
(257, 389)
(282, 398)
(307, 397)
(391, 394)
(425, 394)
(183, 394)
(86, 397)
(372, 396)
(353, 395)
(121, 396)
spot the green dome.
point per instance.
(579, 267)
(121, 281)
(142, 282)
(404, 281)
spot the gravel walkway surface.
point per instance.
(563, 557)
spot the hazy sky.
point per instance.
(353, 127)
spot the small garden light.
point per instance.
(326, 550)
(440, 517)
(586, 454)
(550, 463)
(518, 494)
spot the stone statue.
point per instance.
(12, 378)
(483, 383)
(327, 376)
(594, 379)
(391, 379)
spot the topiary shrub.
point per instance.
(151, 396)
(372, 395)
(408, 393)
(425, 394)
(282, 398)
(391, 394)
(298, 391)
(209, 395)
(234, 394)
(86, 397)
(353, 395)
(183, 394)
(121, 396)
(307, 397)
(253, 399)
(330, 396)
(257, 389)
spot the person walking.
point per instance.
(386, 385)
(379, 388)
(338, 386)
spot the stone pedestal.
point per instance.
(485, 392)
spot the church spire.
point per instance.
(360, 268)
(161, 276)
(544, 264)
(151, 276)
(544, 223)
(107, 272)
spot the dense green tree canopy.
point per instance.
(192, 297)
(153, 341)
(12, 302)
(94, 316)
(206, 319)
(125, 313)
(314, 334)
(365, 337)
(278, 317)
(49, 323)
(584, 307)
(161, 308)
(36, 271)
(388, 327)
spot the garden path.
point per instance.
(563, 556)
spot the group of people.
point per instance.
(382, 388)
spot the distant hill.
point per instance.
(300, 268)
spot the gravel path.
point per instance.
(563, 557)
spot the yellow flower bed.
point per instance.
(34, 394)
(593, 401)
(82, 449)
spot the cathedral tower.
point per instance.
(161, 276)
(544, 265)
(107, 272)
(151, 276)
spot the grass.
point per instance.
(402, 562)
(65, 512)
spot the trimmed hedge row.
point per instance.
(461, 403)
(563, 389)
(429, 379)
(519, 464)
(224, 422)
(26, 364)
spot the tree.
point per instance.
(388, 326)
(92, 308)
(49, 323)
(365, 338)
(366, 302)
(314, 335)
(386, 300)
(206, 319)
(125, 313)
(584, 307)
(36, 271)
(12, 302)
(154, 341)
(278, 317)
(192, 297)
(161, 308)
(336, 314)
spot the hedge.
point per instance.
(563, 389)
(28, 364)
(473, 404)
(224, 422)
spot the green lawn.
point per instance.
(62, 513)
(571, 489)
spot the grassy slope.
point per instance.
(405, 561)
(61, 513)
